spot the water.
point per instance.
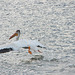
(50, 21)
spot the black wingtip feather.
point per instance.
(5, 50)
(41, 46)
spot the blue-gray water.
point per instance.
(50, 21)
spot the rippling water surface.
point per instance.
(50, 21)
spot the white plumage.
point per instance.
(23, 43)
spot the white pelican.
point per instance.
(30, 44)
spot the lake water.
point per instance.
(50, 21)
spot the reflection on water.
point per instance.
(54, 60)
(37, 57)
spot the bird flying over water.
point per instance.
(23, 43)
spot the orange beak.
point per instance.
(15, 34)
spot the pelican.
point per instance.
(30, 44)
(23, 43)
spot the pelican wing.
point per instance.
(23, 43)
(12, 46)
(5, 48)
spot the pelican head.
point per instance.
(17, 34)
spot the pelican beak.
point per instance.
(15, 34)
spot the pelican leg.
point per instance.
(39, 51)
(29, 50)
